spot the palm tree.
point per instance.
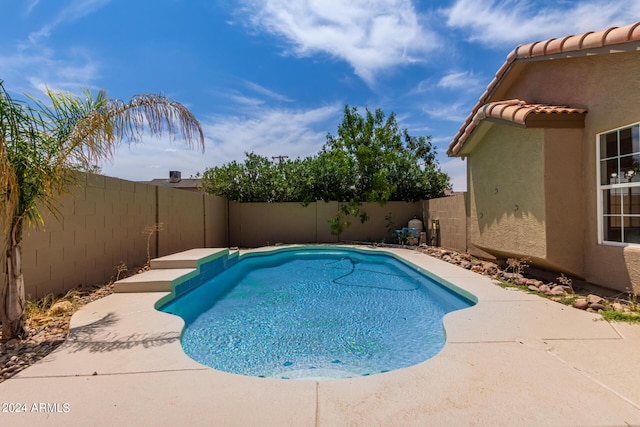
(44, 145)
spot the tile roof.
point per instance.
(582, 43)
(514, 111)
(517, 111)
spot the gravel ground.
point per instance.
(18, 354)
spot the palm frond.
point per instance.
(41, 143)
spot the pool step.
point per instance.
(187, 259)
(155, 280)
(169, 271)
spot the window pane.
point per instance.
(612, 202)
(612, 229)
(629, 141)
(609, 171)
(620, 166)
(631, 201)
(628, 165)
(609, 145)
(632, 230)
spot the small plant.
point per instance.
(511, 284)
(149, 231)
(516, 266)
(568, 299)
(339, 222)
(391, 224)
(122, 267)
(633, 300)
(49, 307)
(616, 316)
(565, 281)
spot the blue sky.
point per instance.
(273, 76)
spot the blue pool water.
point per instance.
(315, 314)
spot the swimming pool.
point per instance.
(315, 313)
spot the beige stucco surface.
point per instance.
(564, 199)
(608, 85)
(506, 193)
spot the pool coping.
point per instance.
(512, 358)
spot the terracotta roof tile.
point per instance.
(514, 111)
(556, 45)
(582, 42)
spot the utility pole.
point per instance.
(280, 158)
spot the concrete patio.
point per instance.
(513, 359)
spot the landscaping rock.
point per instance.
(544, 288)
(597, 306)
(533, 288)
(534, 282)
(581, 304)
(558, 290)
(617, 307)
(40, 340)
(594, 299)
(521, 281)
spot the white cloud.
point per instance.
(510, 22)
(75, 10)
(371, 35)
(270, 132)
(462, 80)
(37, 69)
(245, 100)
(459, 81)
(31, 5)
(33, 65)
(266, 131)
(453, 112)
(154, 158)
(266, 92)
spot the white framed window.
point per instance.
(619, 186)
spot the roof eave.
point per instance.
(611, 40)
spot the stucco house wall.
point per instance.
(584, 72)
(564, 199)
(609, 87)
(506, 192)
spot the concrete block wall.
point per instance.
(101, 225)
(451, 212)
(259, 224)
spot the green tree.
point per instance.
(386, 163)
(42, 146)
(259, 179)
(369, 160)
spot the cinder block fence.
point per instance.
(107, 222)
